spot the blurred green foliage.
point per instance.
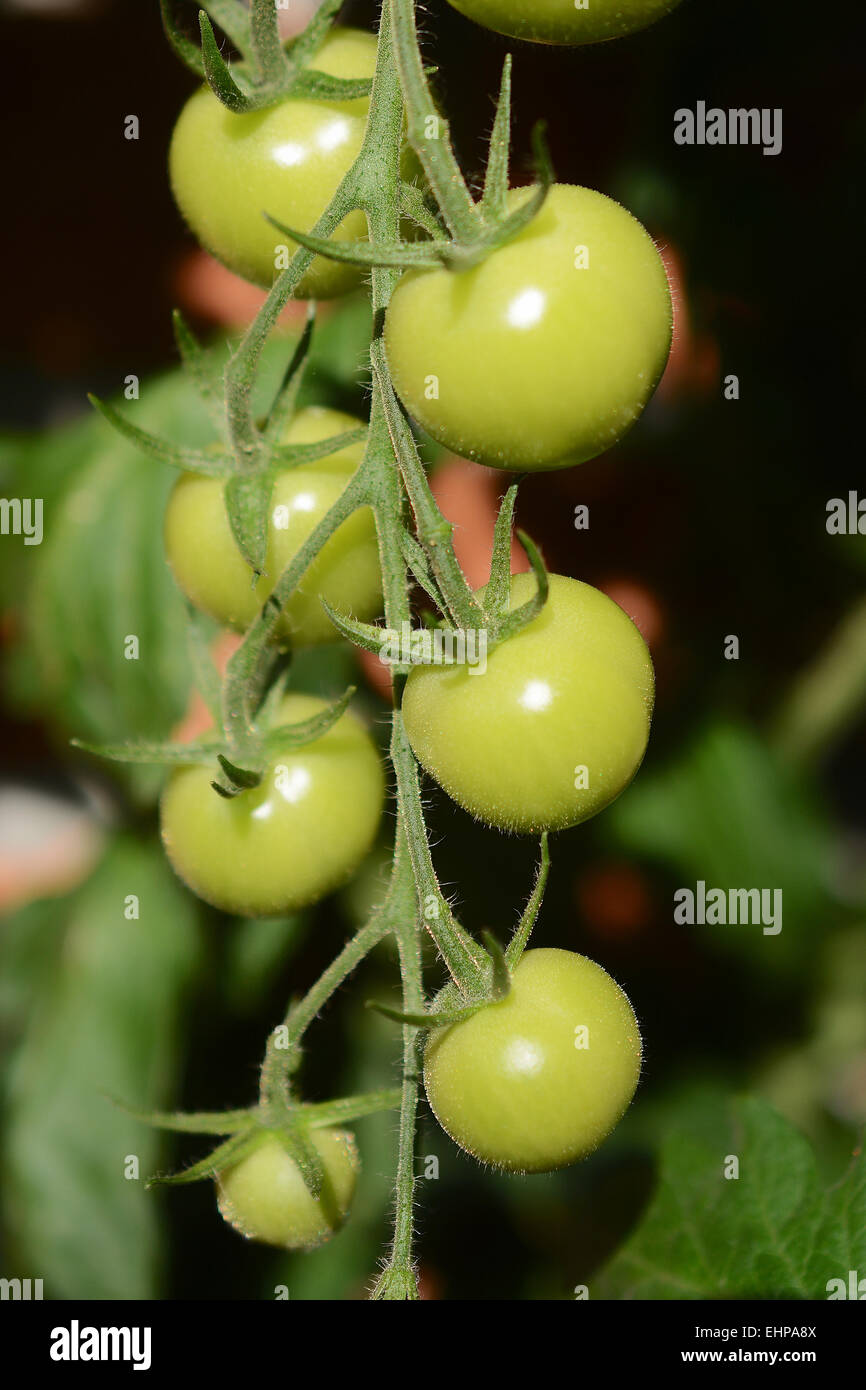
(95, 999)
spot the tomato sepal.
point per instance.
(288, 736)
(215, 464)
(398, 254)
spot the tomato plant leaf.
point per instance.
(741, 1212)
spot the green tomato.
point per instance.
(213, 574)
(265, 1198)
(227, 169)
(288, 842)
(554, 728)
(317, 422)
(540, 1078)
(565, 21)
(546, 353)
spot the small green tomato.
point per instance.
(213, 574)
(265, 1198)
(229, 168)
(545, 353)
(288, 842)
(538, 1080)
(554, 728)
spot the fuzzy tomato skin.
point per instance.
(538, 364)
(288, 842)
(265, 1199)
(572, 690)
(211, 571)
(561, 22)
(228, 168)
(511, 1085)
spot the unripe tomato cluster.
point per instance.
(545, 354)
(287, 842)
(538, 356)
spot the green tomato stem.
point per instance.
(281, 1056)
(465, 959)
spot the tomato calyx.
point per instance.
(440, 642)
(496, 985)
(462, 998)
(261, 745)
(495, 226)
(249, 470)
(249, 467)
(290, 1123)
(270, 70)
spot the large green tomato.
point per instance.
(539, 1079)
(565, 21)
(546, 353)
(288, 842)
(554, 728)
(228, 169)
(211, 571)
(265, 1198)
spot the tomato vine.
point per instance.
(454, 233)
